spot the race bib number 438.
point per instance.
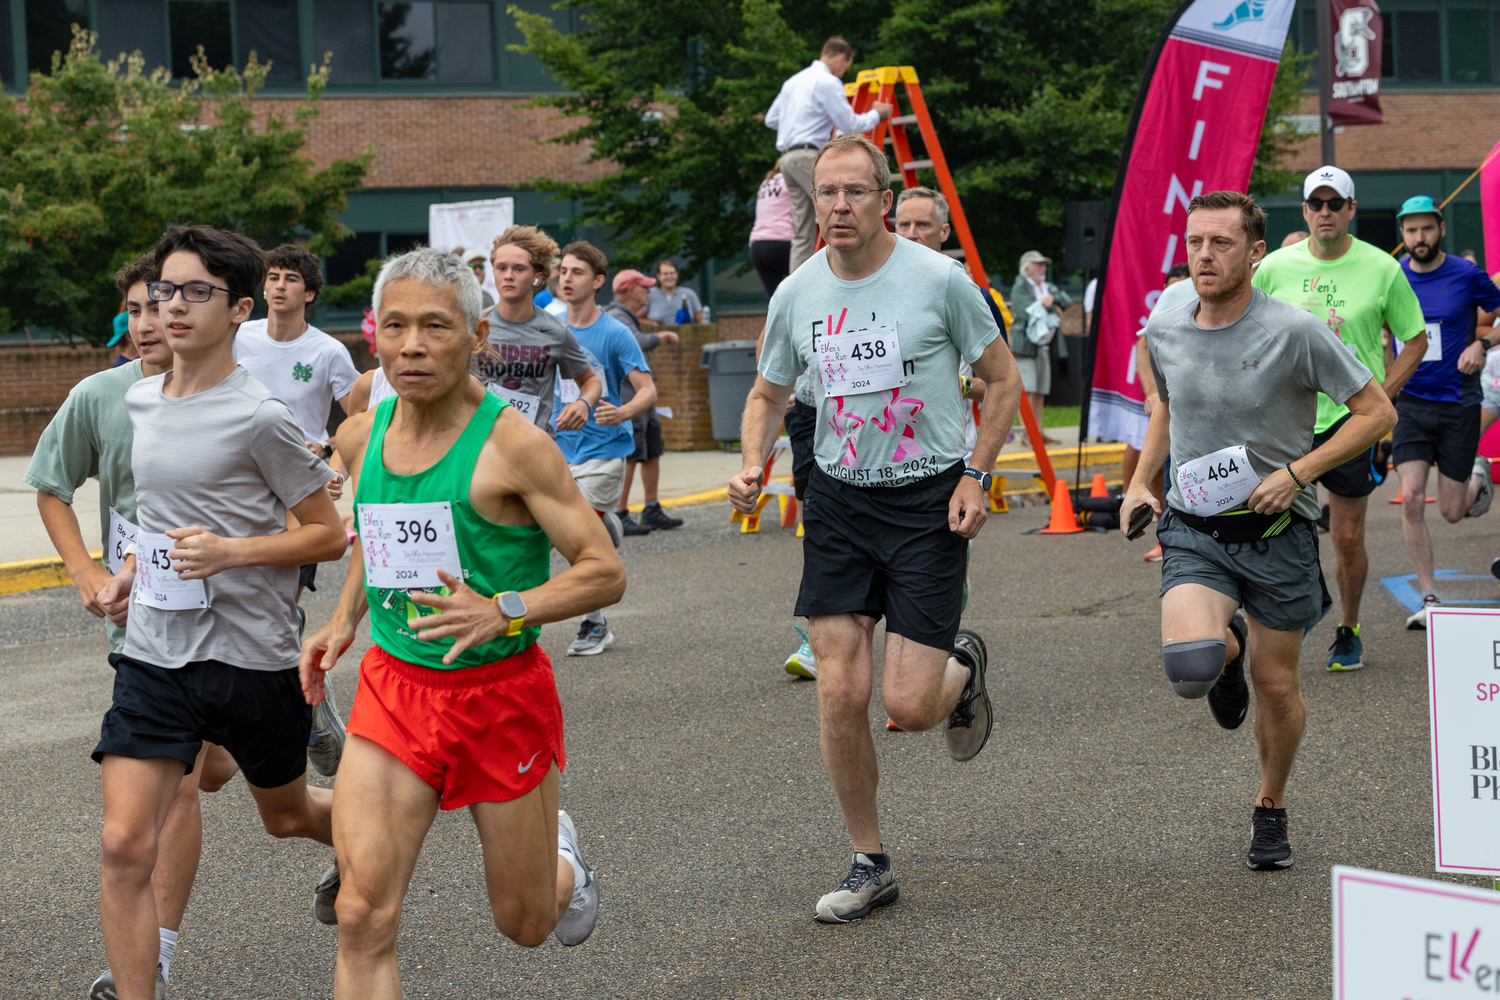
(405, 544)
(859, 361)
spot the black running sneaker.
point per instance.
(1229, 698)
(1270, 849)
(657, 519)
(969, 725)
(632, 528)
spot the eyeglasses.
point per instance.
(854, 195)
(192, 291)
(1334, 204)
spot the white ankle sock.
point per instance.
(594, 617)
(168, 947)
(578, 877)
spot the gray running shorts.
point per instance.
(1278, 581)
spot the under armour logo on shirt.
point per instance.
(1249, 366)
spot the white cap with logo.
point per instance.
(1328, 176)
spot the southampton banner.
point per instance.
(1195, 127)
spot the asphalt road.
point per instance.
(1095, 848)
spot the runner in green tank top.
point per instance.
(457, 500)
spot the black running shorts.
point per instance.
(801, 426)
(1357, 477)
(1441, 434)
(259, 716)
(648, 443)
(307, 575)
(885, 551)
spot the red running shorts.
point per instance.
(480, 734)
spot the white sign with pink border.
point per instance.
(1463, 660)
(1412, 939)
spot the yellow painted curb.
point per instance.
(34, 574)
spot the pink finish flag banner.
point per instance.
(1196, 124)
(1489, 204)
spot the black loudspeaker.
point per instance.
(1083, 233)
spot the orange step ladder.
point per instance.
(880, 84)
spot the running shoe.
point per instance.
(1347, 652)
(969, 725)
(1486, 487)
(655, 518)
(1417, 621)
(593, 638)
(583, 912)
(1229, 698)
(1270, 849)
(801, 663)
(326, 895)
(612, 525)
(867, 886)
(104, 986)
(630, 527)
(325, 745)
(1154, 555)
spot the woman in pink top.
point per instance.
(771, 239)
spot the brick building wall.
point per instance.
(34, 381)
(682, 385)
(1430, 130)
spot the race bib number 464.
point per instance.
(405, 544)
(860, 361)
(1217, 482)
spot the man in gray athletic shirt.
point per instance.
(530, 344)
(1238, 375)
(211, 638)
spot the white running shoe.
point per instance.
(104, 986)
(325, 743)
(1418, 620)
(326, 896)
(593, 638)
(801, 663)
(1486, 487)
(867, 886)
(583, 912)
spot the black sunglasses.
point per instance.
(1334, 204)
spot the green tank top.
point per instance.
(495, 557)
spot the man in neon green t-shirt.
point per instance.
(1355, 288)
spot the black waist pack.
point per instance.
(1240, 525)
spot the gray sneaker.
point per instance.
(593, 638)
(326, 895)
(325, 745)
(969, 725)
(616, 530)
(583, 912)
(867, 886)
(1486, 487)
(1418, 620)
(104, 986)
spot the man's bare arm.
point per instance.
(61, 523)
(1002, 396)
(1402, 368)
(759, 428)
(1154, 453)
(1371, 417)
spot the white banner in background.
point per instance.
(472, 225)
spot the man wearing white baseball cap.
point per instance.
(1356, 288)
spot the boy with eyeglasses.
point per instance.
(211, 646)
(1355, 288)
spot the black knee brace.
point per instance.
(1194, 666)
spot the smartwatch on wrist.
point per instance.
(514, 609)
(984, 478)
(327, 451)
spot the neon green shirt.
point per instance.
(1355, 295)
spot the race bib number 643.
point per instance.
(405, 544)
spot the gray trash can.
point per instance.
(731, 375)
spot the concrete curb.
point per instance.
(34, 574)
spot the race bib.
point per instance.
(121, 534)
(405, 544)
(860, 361)
(157, 584)
(526, 404)
(569, 392)
(1217, 482)
(1434, 343)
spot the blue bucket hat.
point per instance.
(1419, 205)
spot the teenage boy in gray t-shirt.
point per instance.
(210, 645)
(1238, 375)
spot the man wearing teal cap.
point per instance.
(1356, 288)
(1438, 410)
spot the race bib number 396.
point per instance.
(405, 544)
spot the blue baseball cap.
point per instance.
(122, 327)
(1419, 205)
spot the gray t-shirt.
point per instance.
(662, 308)
(529, 353)
(901, 435)
(231, 460)
(91, 436)
(1254, 382)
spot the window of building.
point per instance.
(346, 28)
(49, 29)
(269, 29)
(1419, 51)
(408, 41)
(195, 23)
(7, 46)
(1469, 45)
(127, 26)
(1454, 43)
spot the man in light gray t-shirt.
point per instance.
(529, 354)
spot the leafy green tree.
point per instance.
(1031, 100)
(100, 157)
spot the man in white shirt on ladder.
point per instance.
(810, 106)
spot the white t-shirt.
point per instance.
(1088, 296)
(307, 374)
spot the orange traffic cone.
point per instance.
(1099, 489)
(1063, 522)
